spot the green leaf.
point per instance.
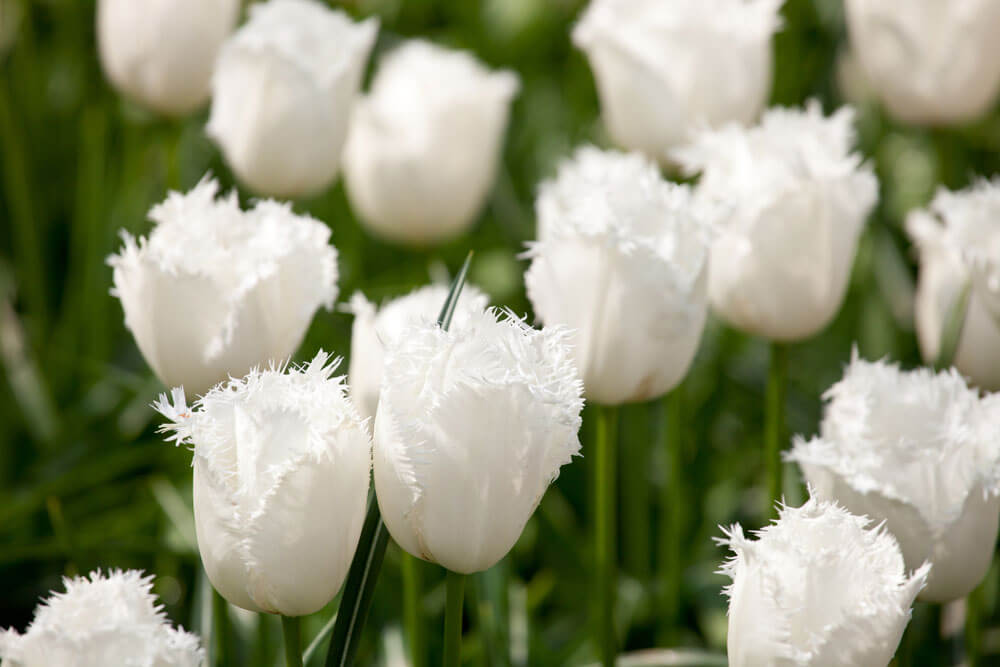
(951, 333)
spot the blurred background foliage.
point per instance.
(85, 482)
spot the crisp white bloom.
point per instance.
(473, 424)
(215, 290)
(281, 467)
(931, 61)
(376, 329)
(621, 258)
(819, 587)
(666, 67)
(282, 94)
(101, 620)
(794, 200)
(921, 452)
(423, 146)
(162, 52)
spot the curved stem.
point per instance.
(453, 619)
(604, 531)
(774, 423)
(293, 640)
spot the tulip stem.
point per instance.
(220, 610)
(412, 591)
(672, 514)
(293, 640)
(604, 531)
(453, 619)
(774, 423)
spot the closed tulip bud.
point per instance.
(819, 587)
(282, 94)
(932, 62)
(281, 467)
(161, 53)
(423, 146)
(215, 290)
(921, 452)
(621, 258)
(666, 67)
(101, 620)
(794, 200)
(473, 424)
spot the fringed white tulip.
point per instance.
(794, 199)
(215, 291)
(281, 468)
(161, 53)
(921, 452)
(666, 67)
(282, 94)
(101, 620)
(423, 146)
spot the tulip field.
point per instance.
(499, 333)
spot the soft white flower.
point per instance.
(666, 67)
(282, 94)
(921, 452)
(375, 330)
(794, 200)
(281, 467)
(101, 620)
(931, 61)
(215, 290)
(819, 587)
(473, 424)
(621, 258)
(162, 52)
(423, 146)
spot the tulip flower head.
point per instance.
(282, 94)
(101, 620)
(921, 452)
(281, 467)
(794, 199)
(621, 258)
(423, 146)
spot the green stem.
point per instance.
(293, 640)
(973, 630)
(453, 619)
(220, 625)
(604, 531)
(412, 594)
(774, 422)
(672, 514)
(636, 505)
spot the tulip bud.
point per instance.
(932, 62)
(214, 290)
(101, 620)
(472, 425)
(921, 452)
(162, 52)
(621, 258)
(282, 94)
(281, 466)
(423, 146)
(818, 587)
(666, 67)
(795, 199)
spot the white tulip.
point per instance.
(282, 94)
(819, 587)
(921, 452)
(621, 258)
(666, 67)
(376, 329)
(101, 620)
(473, 424)
(795, 200)
(934, 62)
(162, 52)
(423, 146)
(215, 291)
(281, 467)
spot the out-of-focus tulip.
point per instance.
(282, 94)
(819, 587)
(934, 62)
(473, 424)
(281, 467)
(621, 258)
(423, 146)
(101, 620)
(666, 67)
(921, 452)
(375, 330)
(162, 52)
(794, 200)
(215, 291)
